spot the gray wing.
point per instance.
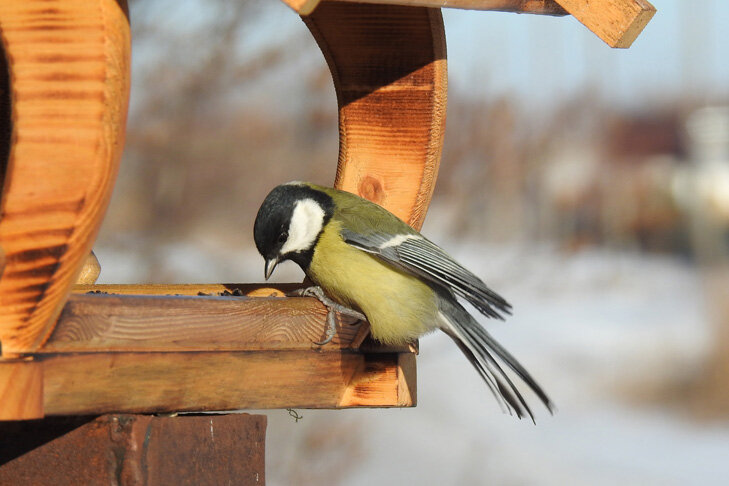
(418, 256)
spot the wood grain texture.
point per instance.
(541, 7)
(135, 450)
(167, 353)
(388, 64)
(145, 323)
(69, 69)
(407, 379)
(21, 389)
(93, 383)
(373, 381)
(617, 22)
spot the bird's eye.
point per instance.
(282, 237)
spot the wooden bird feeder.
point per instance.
(64, 92)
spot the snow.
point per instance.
(587, 326)
(590, 327)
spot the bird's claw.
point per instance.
(332, 307)
(331, 329)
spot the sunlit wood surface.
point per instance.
(388, 64)
(164, 351)
(68, 62)
(617, 22)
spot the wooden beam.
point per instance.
(93, 383)
(617, 22)
(68, 64)
(539, 7)
(101, 322)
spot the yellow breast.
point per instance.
(398, 306)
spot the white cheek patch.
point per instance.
(306, 223)
(399, 240)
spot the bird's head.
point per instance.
(289, 223)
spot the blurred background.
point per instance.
(589, 186)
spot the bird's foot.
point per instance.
(332, 307)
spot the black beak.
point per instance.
(270, 266)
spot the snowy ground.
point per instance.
(590, 326)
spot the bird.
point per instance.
(366, 262)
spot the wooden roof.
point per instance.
(617, 22)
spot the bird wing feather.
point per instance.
(417, 255)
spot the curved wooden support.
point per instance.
(69, 89)
(389, 69)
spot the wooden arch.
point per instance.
(388, 64)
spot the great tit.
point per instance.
(366, 259)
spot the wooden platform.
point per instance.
(174, 350)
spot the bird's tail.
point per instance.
(485, 354)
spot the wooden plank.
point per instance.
(21, 389)
(166, 353)
(388, 64)
(94, 383)
(69, 69)
(138, 450)
(144, 323)
(617, 22)
(206, 450)
(539, 7)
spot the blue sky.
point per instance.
(542, 59)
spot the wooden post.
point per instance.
(131, 450)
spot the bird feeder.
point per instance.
(72, 349)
